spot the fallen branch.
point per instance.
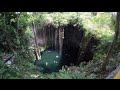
(112, 74)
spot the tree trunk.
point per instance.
(106, 61)
(36, 50)
(52, 36)
(18, 16)
(44, 36)
(56, 34)
(5, 22)
(61, 35)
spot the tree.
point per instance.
(106, 61)
(8, 36)
(36, 50)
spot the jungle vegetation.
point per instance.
(59, 45)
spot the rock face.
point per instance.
(76, 46)
(72, 38)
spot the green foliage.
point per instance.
(8, 19)
(14, 41)
(66, 73)
(101, 25)
(24, 50)
(25, 20)
(7, 72)
(56, 18)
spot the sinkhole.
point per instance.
(73, 49)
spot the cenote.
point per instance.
(66, 45)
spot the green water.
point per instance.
(50, 61)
